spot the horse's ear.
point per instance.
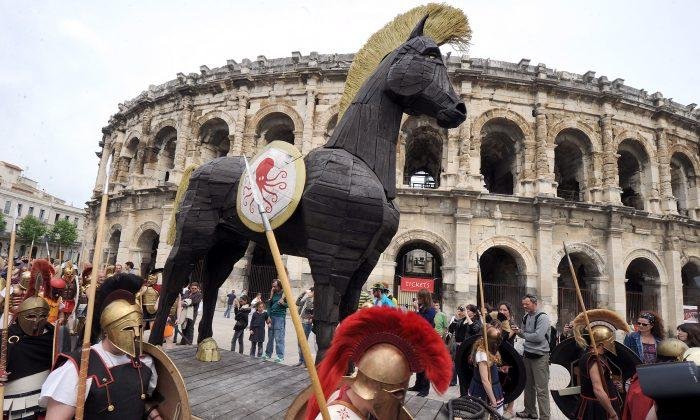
(418, 30)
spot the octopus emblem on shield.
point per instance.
(270, 181)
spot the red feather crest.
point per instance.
(408, 331)
(47, 271)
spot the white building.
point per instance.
(21, 197)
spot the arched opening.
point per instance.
(634, 173)
(418, 265)
(261, 271)
(571, 157)
(503, 275)
(423, 158)
(214, 138)
(587, 274)
(132, 155)
(147, 245)
(501, 141)
(113, 247)
(682, 182)
(35, 250)
(690, 274)
(330, 127)
(276, 126)
(641, 287)
(164, 145)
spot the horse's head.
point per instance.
(417, 80)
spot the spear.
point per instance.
(480, 282)
(282, 274)
(6, 311)
(585, 314)
(85, 353)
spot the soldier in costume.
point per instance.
(29, 358)
(600, 397)
(150, 292)
(386, 346)
(637, 405)
(120, 377)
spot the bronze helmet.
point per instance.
(32, 315)
(122, 322)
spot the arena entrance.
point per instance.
(113, 247)
(586, 271)
(261, 272)
(504, 279)
(641, 287)
(690, 273)
(148, 248)
(418, 265)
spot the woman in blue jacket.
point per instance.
(644, 341)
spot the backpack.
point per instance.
(550, 336)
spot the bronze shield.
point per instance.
(170, 393)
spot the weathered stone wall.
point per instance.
(158, 134)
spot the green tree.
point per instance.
(3, 223)
(30, 229)
(64, 233)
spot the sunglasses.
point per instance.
(642, 324)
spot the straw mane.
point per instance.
(445, 24)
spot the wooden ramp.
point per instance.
(241, 387)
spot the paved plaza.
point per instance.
(223, 332)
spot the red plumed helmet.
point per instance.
(47, 271)
(417, 340)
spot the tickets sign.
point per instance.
(414, 284)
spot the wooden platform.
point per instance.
(241, 387)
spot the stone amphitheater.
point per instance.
(545, 157)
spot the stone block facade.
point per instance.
(544, 158)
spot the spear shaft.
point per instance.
(85, 352)
(6, 312)
(296, 320)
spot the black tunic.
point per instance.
(123, 387)
(588, 406)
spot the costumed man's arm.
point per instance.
(599, 391)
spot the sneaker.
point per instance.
(525, 415)
(422, 394)
(299, 364)
(278, 360)
(265, 357)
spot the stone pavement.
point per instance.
(223, 332)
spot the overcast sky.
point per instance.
(64, 65)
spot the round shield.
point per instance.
(559, 377)
(170, 392)
(512, 377)
(279, 174)
(567, 354)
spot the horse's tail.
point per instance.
(184, 184)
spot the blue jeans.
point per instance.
(275, 336)
(307, 331)
(227, 312)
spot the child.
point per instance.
(241, 316)
(257, 329)
(485, 384)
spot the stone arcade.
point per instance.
(544, 157)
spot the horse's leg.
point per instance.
(351, 298)
(176, 272)
(218, 266)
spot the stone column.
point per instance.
(308, 132)
(594, 183)
(668, 201)
(114, 170)
(123, 252)
(545, 174)
(184, 137)
(525, 184)
(163, 247)
(464, 269)
(237, 143)
(449, 176)
(611, 183)
(617, 300)
(546, 289)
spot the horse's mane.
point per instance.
(445, 24)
